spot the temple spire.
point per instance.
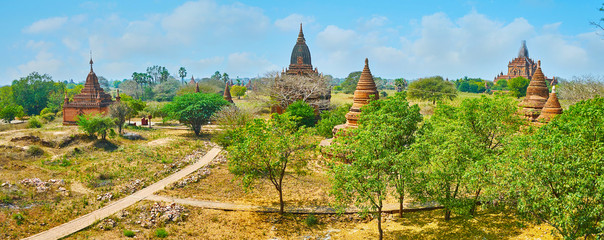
(301, 35)
(523, 52)
(91, 62)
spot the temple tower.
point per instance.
(536, 95)
(92, 100)
(300, 62)
(227, 94)
(551, 109)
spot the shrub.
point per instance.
(19, 218)
(128, 233)
(49, 117)
(383, 94)
(35, 150)
(311, 220)
(230, 119)
(34, 122)
(161, 233)
(93, 125)
(330, 119)
(304, 112)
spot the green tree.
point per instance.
(96, 124)
(135, 105)
(32, 92)
(557, 173)
(182, 73)
(119, 111)
(304, 113)
(350, 83)
(238, 91)
(386, 129)
(6, 96)
(518, 86)
(194, 109)
(502, 84)
(225, 77)
(329, 119)
(267, 149)
(10, 112)
(431, 89)
(400, 84)
(216, 76)
(166, 90)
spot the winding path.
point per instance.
(88, 219)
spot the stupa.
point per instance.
(192, 81)
(536, 95)
(366, 90)
(92, 100)
(551, 109)
(227, 94)
(196, 87)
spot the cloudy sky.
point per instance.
(410, 39)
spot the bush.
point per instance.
(330, 119)
(34, 122)
(304, 112)
(311, 220)
(161, 233)
(383, 94)
(93, 125)
(35, 150)
(49, 117)
(230, 119)
(128, 233)
(19, 218)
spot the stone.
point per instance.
(536, 96)
(132, 136)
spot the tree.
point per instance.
(329, 119)
(166, 90)
(386, 129)
(432, 89)
(96, 124)
(238, 91)
(10, 112)
(518, 86)
(120, 111)
(458, 148)
(267, 149)
(225, 77)
(6, 96)
(502, 84)
(580, 88)
(32, 92)
(217, 76)
(304, 114)
(131, 88)
(135, 105)
(182, 73)
(284, 90)
(557, 175)
(350, 83)
(194, 109)
(599, 23)
(400, 84)
(104, 83)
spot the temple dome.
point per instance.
(301, 50)
(523, 52)
(536, 95)
(552, 107)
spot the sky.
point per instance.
(405, 38)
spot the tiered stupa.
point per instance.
(92, 100)
(227, 93)
(536, 95)
(551, 109)
(366, 90)
(192, 82)
(300, 61)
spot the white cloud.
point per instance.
(46, 25)
(248, 64)
(44, 62)
(291, 22)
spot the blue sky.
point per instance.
(407, 39)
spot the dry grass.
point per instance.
(91, 166)
(216, 224)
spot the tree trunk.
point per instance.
(447, 214)
(379, 218)
(473, 209)
(401, 199)
(281, 204)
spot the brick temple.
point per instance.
(92, 100)
(300, 61)
(521, 66)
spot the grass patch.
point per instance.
(161, 233)
(128, 233)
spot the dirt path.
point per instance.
(389, 207)
(88, 219)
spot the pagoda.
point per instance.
(92, 100)
(300, 62)
(227, 93)
(366, 90)
(551, 109)
(521, 66)
(536, 95)
(192, 82)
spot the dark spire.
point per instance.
(91, 62)
(301, 35)
(523, 52)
